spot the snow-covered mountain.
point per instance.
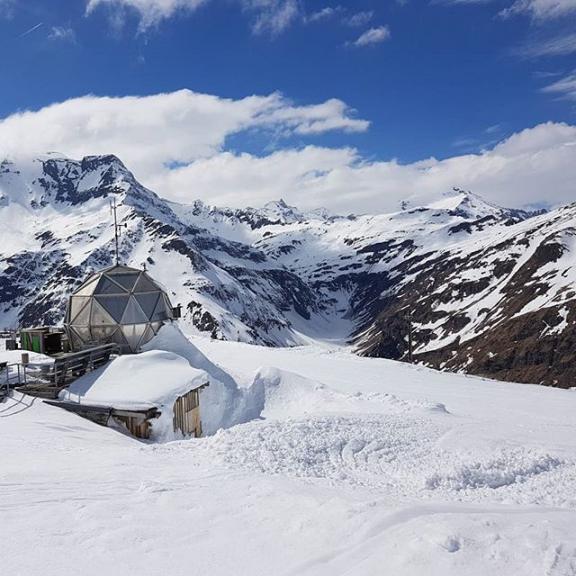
(485, 289)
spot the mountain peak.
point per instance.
(54, 179)
(467, 205)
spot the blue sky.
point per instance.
(432, 78)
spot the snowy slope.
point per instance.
(488, 289)
(356, 466)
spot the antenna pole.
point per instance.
(115, 230)
(410, 343)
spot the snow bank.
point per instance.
(223, 403)
(15, 357)
(282, 393)
(139, 382)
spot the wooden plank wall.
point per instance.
(187, 414)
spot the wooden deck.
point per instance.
(48, 380)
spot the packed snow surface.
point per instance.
(339, 465)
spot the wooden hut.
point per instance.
(153, 395)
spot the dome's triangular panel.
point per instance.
(133, 314)
(76, 338)
(114, 305)
(126, 279)
(104, 333)
(84, 333)
(144, 284)
(77, 304)
(87, 289)
(82, 318)
(107, 286)
(148, 335)
(148, 302)
(161, 310)
(99, 315)
(133, 335)
(119, 338)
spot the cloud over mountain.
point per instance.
(177, 144)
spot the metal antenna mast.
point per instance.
(117, 229)
(410, 343)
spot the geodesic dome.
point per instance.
(119, 304)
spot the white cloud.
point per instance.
(538, 9)
(373, 36)
(565, 87)
(461, 1)
(316, 119)
(354, 19)
(62, 33)
(324, 14)
(6, 8)
(359, 18)
(532, 167)
(151, 12)
(188, 130)
(541, 9)
(494, 129)
(271, 16)
(148, 132)
(555, 46)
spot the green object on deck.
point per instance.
(31, 341)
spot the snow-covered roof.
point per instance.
(137, 382)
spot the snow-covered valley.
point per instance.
(342, 465)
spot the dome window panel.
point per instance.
(77, 304)
(126, 280)
(84, 333)
(114, 306)
(133, 334)
(148, 303)
(148, 334)
(107, 286)
(88, 287)
(104, 333)
(144, 284)
(120, 339)
(133, 313)
(99, 316)
(160, 312)
(82, 318)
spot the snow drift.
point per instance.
(223, 403)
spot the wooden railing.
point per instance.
(48, 379)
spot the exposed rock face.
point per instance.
(481, 288)
(504, 307)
